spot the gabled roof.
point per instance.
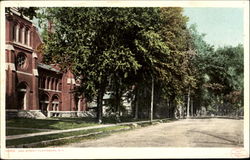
(48, 67)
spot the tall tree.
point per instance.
(219, 74)
(115, 48)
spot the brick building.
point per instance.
(35, 89)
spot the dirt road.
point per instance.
(181, 133)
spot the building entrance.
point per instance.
(22, 97)
(44, 104)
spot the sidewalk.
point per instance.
(71, 130)
(56, 131)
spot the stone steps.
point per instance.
(25, 114)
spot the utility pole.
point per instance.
(188, 103)
(152, 100)
(192, 107)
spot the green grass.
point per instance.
(64, 123)
(61, 135)
(52, 123)
(10, 132)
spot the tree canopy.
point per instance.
(113, 49)
(219, 73)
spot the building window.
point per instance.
(48, 83)
(13, 30)
(55, 85)
(26, 36)
(59, 86)
(43, 82)
(20, 35)
(52, 84)
(17, 32)
(21, 60)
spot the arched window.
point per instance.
(55, 103)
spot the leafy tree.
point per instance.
(113, 49)
(177, 37)
(97, 43)
(201, 63)
(219, 74)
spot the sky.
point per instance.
(222, 26)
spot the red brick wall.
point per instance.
(67, 101)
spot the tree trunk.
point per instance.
(183, 107)
(152, 101)
(136, 103)
(118, 95)
(192, 107)
(169, 107)
(188, 103)
(99, 106)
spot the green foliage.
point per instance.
(112, 49)
(219, 74)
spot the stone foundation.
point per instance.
(71, 114)
(37, 114)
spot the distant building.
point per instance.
(35, 89)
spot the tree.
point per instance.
(116, 48)
(177, 37)
(201, 63)
(230, 60)
(219, 74)
(97, 43)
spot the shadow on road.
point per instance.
(220, 117)
(231, 142)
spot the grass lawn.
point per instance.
(52, 123)
(34, 139)
(63, 123)
(10, 132)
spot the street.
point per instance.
(214, 132)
